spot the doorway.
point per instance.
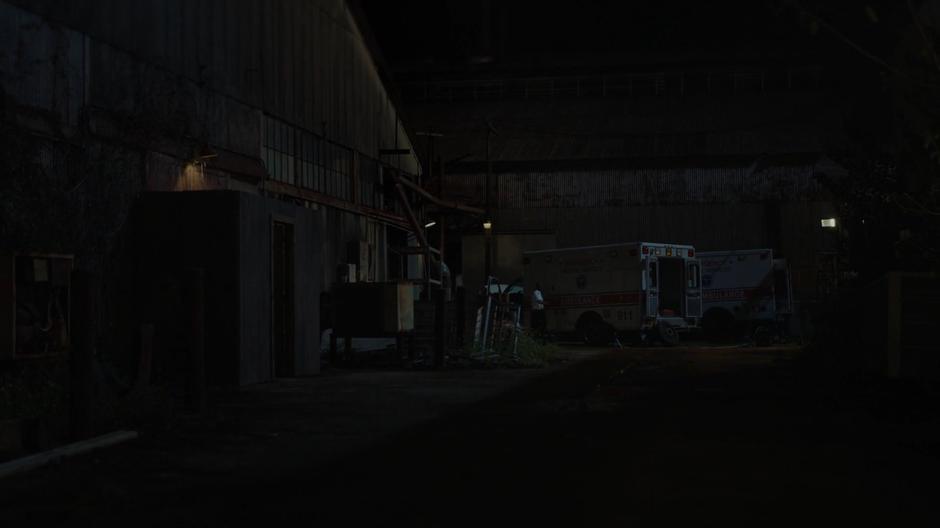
(282, 301)
(671, 286)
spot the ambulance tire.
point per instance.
(762, 336)
(667, 334)
(594, 330)
(600, 334)
(718, 324)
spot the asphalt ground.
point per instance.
(642, 437)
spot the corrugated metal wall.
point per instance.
(206, 69)
(593, 128)
(303, 61)
(707, 226)
(713, 208)
(643, 186)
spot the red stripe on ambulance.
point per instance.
(592, 299)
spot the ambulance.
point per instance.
(744, 292)
(597, 292)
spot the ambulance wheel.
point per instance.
(594, 330)
(667, 334)
(717, 324)
(762, 336)
(599, 334)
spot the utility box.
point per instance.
(34, 305)
(373, 309)
(346, 273)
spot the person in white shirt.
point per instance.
(538, 310)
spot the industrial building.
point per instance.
(469, 262)
(273, 119)
(718, 152)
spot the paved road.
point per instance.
(642, 437)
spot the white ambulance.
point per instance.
(598, 291)
(743, 291)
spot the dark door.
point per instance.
(671, 286)
(282, 309)
(652, 287)
(693, 289)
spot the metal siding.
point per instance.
(624, 187)
(304, 62)
(612, 128)
(708, 226)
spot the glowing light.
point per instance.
(191, 178)
(487, 225)
(828, 222)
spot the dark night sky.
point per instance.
(457, 30)
(452, 32)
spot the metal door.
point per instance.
(652, 287)
(282, 299)
(783, 294)
(693, 289)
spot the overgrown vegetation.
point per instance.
(36, 390)
(889, 82)
(529, 352)
(533, 352)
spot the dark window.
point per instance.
(693, 278)
(298, 157)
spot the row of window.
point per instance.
(370, 183)
(298, 157)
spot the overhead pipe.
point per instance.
(446, 204)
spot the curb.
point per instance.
(28, 463)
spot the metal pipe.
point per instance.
(438, 201)
(409, 212)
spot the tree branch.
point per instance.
(923, 34)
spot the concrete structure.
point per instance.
(230, 235)
(284, 100)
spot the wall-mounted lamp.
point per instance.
(487, 225)
(205, 153)
(828, 222)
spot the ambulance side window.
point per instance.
(693, 275)
(654, 276)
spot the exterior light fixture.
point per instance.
(430, 224)
(487, 225)
(828, 222)
(205, 153)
